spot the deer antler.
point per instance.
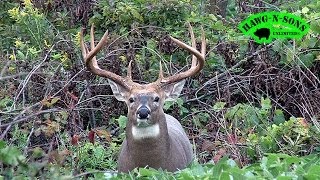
(91, 60)
(198, 59)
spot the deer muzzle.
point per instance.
(143, 115)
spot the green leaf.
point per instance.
(290, 55)
(284, 177)
(21, 55)
(231, 163)
(218, 106)
(122, 121)
(315, 26)
(167, 105)
(277, 45)
(151, 44)
(307, 59)
(11, 156)
(136, 14)
(147, 172)
(305, 10)
(312, 42)
(278, 117)
(314, 170)
(2, 144)
(5, 102)
(266, 103)
(56, 56)
(54, 100)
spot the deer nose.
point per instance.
(143, 112)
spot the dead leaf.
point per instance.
(208, 146)
(103, 134)
(91, 136)
(219, 155)
(75, 140)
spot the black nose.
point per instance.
(143, 112)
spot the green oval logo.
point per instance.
(263, 27)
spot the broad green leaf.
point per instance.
(307, 59)
(314, 170)
(2, 144)
(305, 10)
(218, 106)
(122, 121)
(315, 26)
(147, 172)
(136, 14)
(265, 103)
(167, 105)
(278, 117)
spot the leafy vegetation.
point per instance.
(252, 113)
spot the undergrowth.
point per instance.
(252, 112)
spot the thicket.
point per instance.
(253, 111)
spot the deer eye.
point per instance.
(156, 99)
(131, 100)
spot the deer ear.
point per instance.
(117, 90)
(172, 91)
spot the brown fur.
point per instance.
(171, 150)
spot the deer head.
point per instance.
(147, 123)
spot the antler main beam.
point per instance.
(91, 60)
(198, 58)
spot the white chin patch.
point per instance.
(151, 131)
(142, 123)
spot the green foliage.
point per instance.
(96, 156)
(178, 103)
(122, 121)
(268, 131)
(248, 116)
(16, 166)
(20, 136)
(272, 166)
(122, 15)
(32, 24)
(289, 137)
(295, 54)
(200, 119)
(10, 155)
(5, 103)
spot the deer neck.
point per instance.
(148, 143)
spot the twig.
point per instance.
(24, 83)
(210, 81)
(28, 140)
(9, 125)
(32, 115)
(17, 75)
(4, 69)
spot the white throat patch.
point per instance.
(139, 133)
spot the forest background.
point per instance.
(253, 112)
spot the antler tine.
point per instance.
(197, 60)
(84, 49)
(91, 60)
(129, 71)
(193, 43)
(203, 43)
(160, 71)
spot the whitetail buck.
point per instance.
(153, 138)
